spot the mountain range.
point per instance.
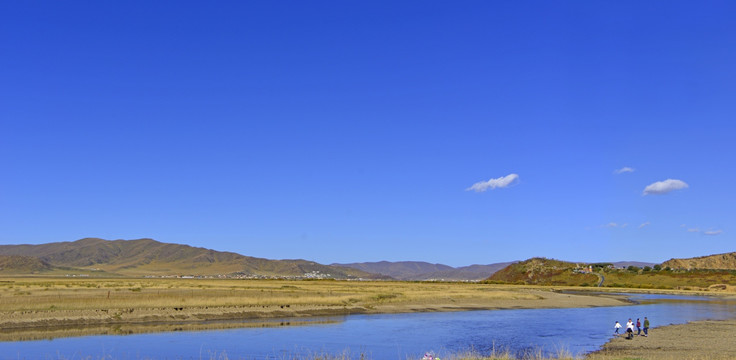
(148, 257)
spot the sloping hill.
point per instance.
(150, 257)
(418, 270)
(16, 264)
(541, 271)
(725, 261)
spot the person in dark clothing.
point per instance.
(646, 326)
(638, 327)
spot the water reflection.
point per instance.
(49, 333)
(391, 336)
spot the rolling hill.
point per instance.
(725, 261)
(149, 257)
(541, 271)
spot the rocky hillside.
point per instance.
(725, 261)
(541, 271)
(149, 257)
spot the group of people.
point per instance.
(630, 328)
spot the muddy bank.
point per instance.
(710, 339)
(54, 332)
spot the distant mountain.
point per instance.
(149, 257)
(143, 257)
(725, 261)
(541, 271)
(401, 270)
(418, 270)
(639, 264)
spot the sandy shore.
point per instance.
(711, 339)
(27, 325)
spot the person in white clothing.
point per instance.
(630, 329)
(616, 327)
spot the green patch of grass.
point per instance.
(382, 297)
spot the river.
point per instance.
(392, 336)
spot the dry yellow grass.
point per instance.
(36, 307)
(42, 294)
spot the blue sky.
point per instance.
(355, 131)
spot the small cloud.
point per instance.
(501, 182)
(693, 230)
(624, 169)
(683, 225)
(663, 187)
(713, 232)
(615, 225)
(644, 224)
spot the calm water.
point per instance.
(402, 336)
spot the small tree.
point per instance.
(657, 267)
(647, 269)
(632, 268)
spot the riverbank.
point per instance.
(34, 304)
(709, 339)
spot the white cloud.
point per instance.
(624, 169)
(615, 225)
(663, 187)
(501, 182)
(713, 232)
(644, 224)
(693, 230)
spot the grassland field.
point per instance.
(46, 302)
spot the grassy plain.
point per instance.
(28, 302)
(42, 294)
